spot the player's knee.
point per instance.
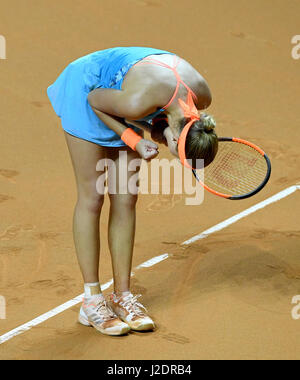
(126, 201)
(92, 202)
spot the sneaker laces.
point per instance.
(130, 303)
(104, 310)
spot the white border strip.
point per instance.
(283, 194)
(155, 260)
(75, 301)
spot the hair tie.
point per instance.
(189, 109)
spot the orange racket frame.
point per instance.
(248, 195)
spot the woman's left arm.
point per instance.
(142, 125)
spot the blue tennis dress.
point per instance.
(102, 69)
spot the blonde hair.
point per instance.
(208, 122)
(202, 141)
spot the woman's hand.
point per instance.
(172, 141)
(147, 149)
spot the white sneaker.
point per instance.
(130, 311)
(95, 312)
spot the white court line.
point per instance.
(277, 197)
(153, 261)
(27, 326)
(75, 301)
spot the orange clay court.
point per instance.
(228, 296)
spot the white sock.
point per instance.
(92, 289)
(122, 294)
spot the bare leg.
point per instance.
(122, 220)
(85, 156)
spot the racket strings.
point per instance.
(238, 169)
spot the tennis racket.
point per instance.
(239, 171)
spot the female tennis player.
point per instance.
(105, 100)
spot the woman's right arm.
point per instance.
(110, 105)
(125, 104)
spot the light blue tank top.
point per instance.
(102, 69)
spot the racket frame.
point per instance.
(250, 194)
